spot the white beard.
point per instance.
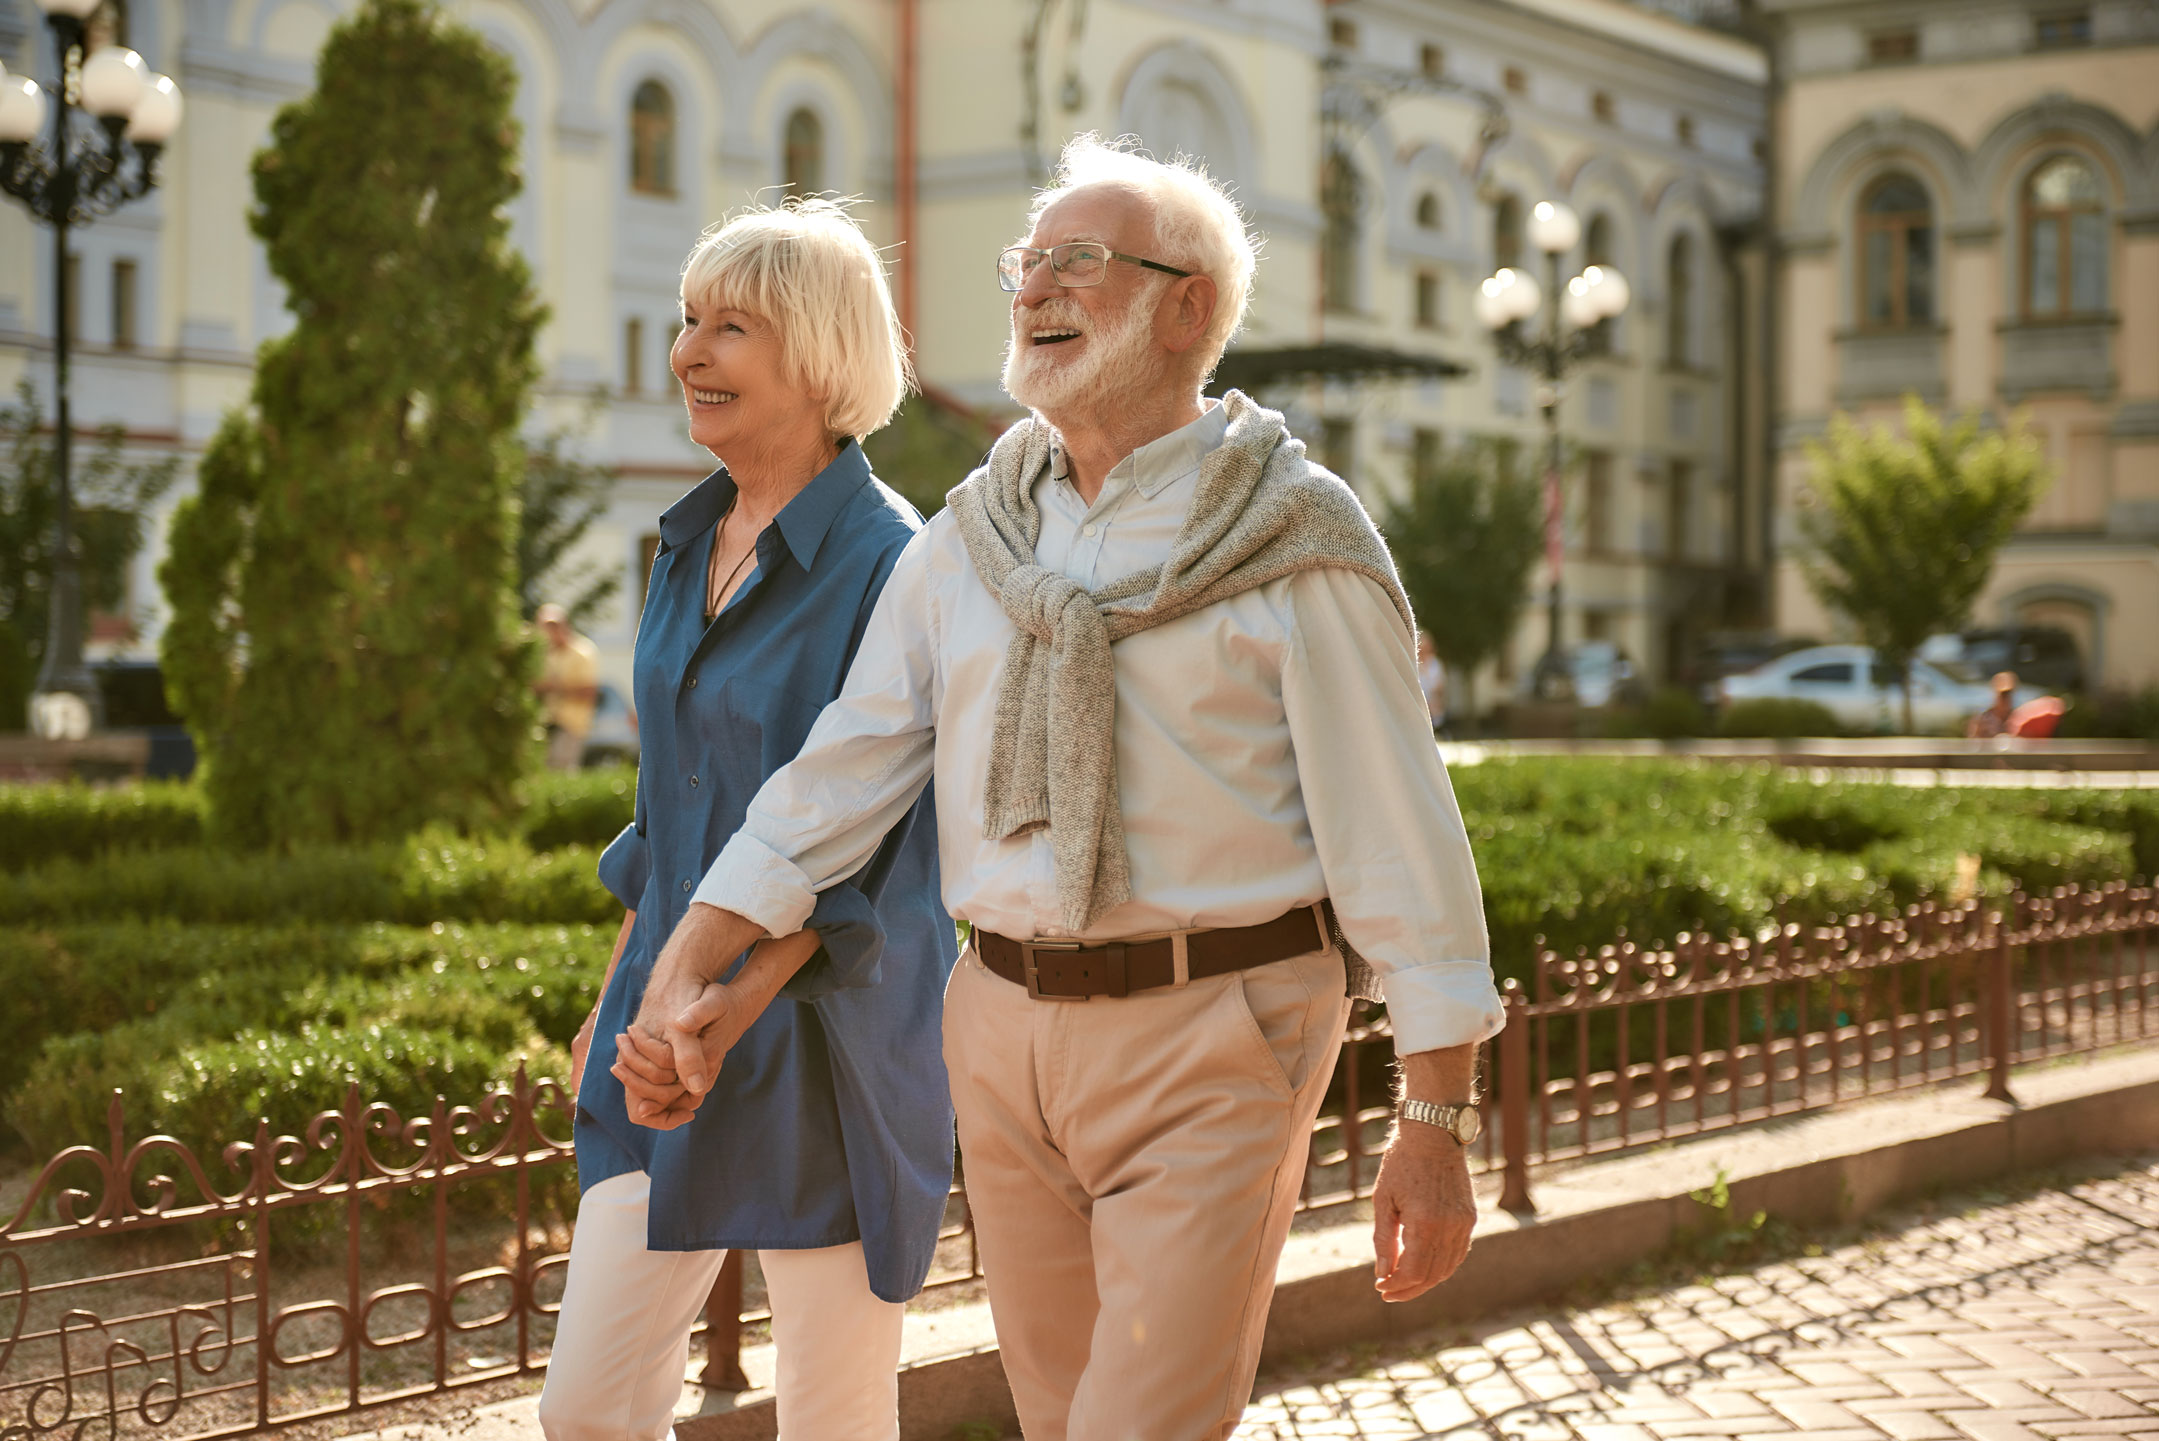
(1118, 359)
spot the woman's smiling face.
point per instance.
(733, 384)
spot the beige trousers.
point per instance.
(622, 1343)
(1133, 1165)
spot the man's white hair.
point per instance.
(806, 268)
(1197, 226)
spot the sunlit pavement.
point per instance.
(2027, 1318)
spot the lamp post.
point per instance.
(1504, 302)
(77, 174)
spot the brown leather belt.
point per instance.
(1060, 970)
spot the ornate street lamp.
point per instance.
(76, 174)
(1504, 302)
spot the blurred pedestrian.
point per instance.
(827, 1148)
(1994, 720)
(1432, 678)
(569, 687)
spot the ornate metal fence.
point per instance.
(377, 1259)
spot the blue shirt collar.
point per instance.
(803, 521)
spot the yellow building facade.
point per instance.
(1967, 208)
(1386, 149)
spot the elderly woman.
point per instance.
(827, 1142)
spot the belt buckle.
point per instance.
(1033, 977)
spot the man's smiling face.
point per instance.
(1074, 347)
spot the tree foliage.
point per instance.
(1901, 532)
(345, 641)
(111, 498)
(1465, 536)
(929, 447)
(559, 497)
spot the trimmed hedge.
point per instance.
(435, 877)
(1771, 719)
(44, 823)
(40, 824)
(178, 984)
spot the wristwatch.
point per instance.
(1464, 1123)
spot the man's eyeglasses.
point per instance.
(1074, 264)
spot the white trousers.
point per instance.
(622, 1343)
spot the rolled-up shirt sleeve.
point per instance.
(851, 943)
(1383, 816)
(819, 818)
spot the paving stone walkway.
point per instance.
(2012, 1321)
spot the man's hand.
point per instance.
(1422, 1211)
(704, 944)
(1422, 1207)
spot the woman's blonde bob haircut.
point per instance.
(807, 270)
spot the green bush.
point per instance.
(2113, 715)
(44, 823)
(582, 808)
(211, 1092)
(436, 877)
(1767, 719)
(198, 982)
(1672, 713)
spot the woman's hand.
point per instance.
(581, 1048)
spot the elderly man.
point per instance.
(1188, 799)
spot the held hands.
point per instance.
(671, 1054)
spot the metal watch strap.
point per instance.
(1447, 1118)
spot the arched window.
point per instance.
(804, 160)
(1896, 254)
(2065, 240)
(1428, 211)
(1597, 250)
(652, 139)
(1507, 232)
(1341, 201)
(1679, 301)
(1597, 240)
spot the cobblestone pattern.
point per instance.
(2035, 1318)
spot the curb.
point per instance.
(1828, 1168)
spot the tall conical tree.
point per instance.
(344, 640)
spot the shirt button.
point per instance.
(693, 682)
(1089, 529)
(685, 888)
(693, 783)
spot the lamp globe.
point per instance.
(157, 114)
(113, 81)
(22, 110)
(1554, 228)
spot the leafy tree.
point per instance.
(1902, 532)
(111, 496)
(1464, 537)
(345, 642)
(929, 447)
(559, 498)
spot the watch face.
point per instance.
(1468, 1124)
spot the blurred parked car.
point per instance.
(1735, 652)
(1862, 693)
(2045, 656)
(134, 695)
(613, 738)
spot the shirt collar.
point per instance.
(803, 521)
(1166, 458)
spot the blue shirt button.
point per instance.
(693, 783)
(693, 682)
(685, 887)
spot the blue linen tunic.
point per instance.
(831, 1120)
